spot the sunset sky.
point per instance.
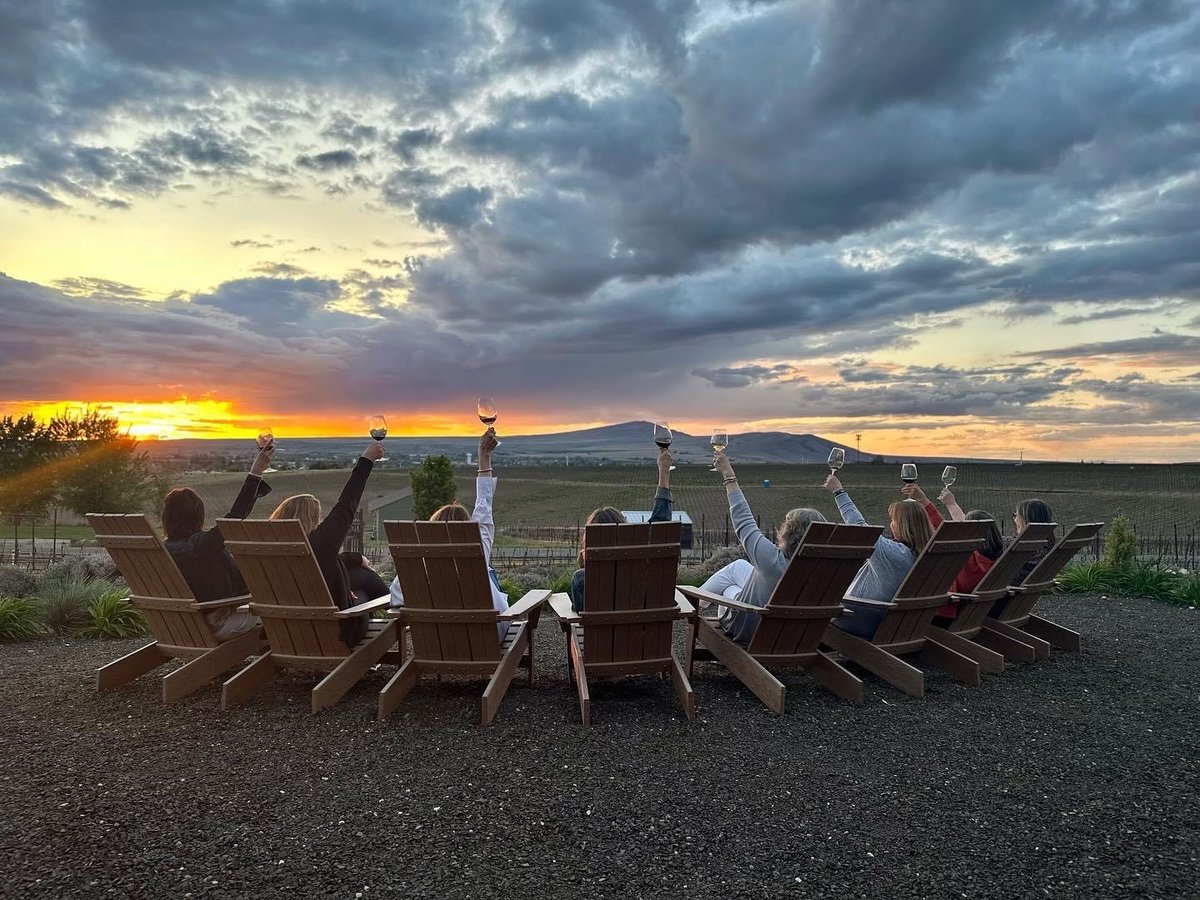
(949, 226)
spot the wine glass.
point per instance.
(377, 428)
(265, 439)
(486, 407)
(719, 441)
(663, 436)
(837, 459)
(948, 475)
(908, 474)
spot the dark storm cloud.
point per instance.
(330, 159)
(744, 376)
(1161, 349)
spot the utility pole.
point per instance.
(858, 448)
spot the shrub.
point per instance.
(1187, 590)
(66, 602)
(721, 558)
(20, 619)
(554, 578)
(79, 567)
(1144, 581)
(1120, 545)
(1085, 578)
(111, 615)
(433, 485)
(16, 582)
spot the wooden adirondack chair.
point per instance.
(1017, 620)
(967, 632)
(448, 611)
(793, 622)
(910, 613)
(289, 594)
(178, 622)
(630, 606)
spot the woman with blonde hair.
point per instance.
(886, 568)
(752, 580)
(326, 535)
(485, 490)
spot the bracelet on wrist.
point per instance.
(482, 471)
(732, 479)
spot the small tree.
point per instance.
(432, 485)
(1120, 545)
(101, 469)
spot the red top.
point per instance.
(970, 575)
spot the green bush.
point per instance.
(1187, 590)
(16, 582)
(1144, 581)
(433, 486)
(553, 578)
(111, 615)
(20, 619)
(1086, 578)
(79, 567)
(66, 602)
(1120, 544)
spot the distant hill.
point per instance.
(623, 442)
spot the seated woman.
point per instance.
(1027, 512)
(752, 580)
(485, 490)
(886, 567)
(608, 515)
(980, 560)
(325, 536)
(206, 566)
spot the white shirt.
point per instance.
(485, 488)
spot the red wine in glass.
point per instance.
(486, 407)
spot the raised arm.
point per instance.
(485, 487)
(662, 496)
(760, 549)
(336, 524)
(952, 507)
(912, 492)
(849, 512)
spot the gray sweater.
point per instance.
(769, 564)
(884, 569)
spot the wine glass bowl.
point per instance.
(908, 474)
(663, 436)
(377, 428)
(949, 474)
(837, 459)
(486, 409)
(265, 439)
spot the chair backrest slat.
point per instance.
(1041, 579)
(817, 577)
(150, 572)
(995, 581)
(441, 566)
(634, 569)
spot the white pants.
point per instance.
(235, 624)
(729, 580)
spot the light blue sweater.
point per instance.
(878, 579)
(769, 565)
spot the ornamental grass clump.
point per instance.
(20, 619)
(1085, 578)
(111, 615)
(66, 601)
(1187, 590)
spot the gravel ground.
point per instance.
(1073, 777)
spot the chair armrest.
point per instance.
(561, 604)
(719, 599)
(531, 601)
(959, 598)
(363, 607)
(222, 603)
(686, 610)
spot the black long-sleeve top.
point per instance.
(326, 542)
(205, 564)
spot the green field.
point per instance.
(1158, 499)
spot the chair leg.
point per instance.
(961, 668)
(581, 685)
(989, 660)
(837, 679)
(502, 677)
(242, 686)
(130, 666)
(687, 697)
(1053, 634)
(398, 688)
(996, 628)
(197, 673)
(891, 669)
(749, 671)
(333, 687)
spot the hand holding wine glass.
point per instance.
(837, 459)
(663, 438)
(266, 448)
(908, 474)
(949, 474)
(719, 441)
(377, 427)
(486, 407)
